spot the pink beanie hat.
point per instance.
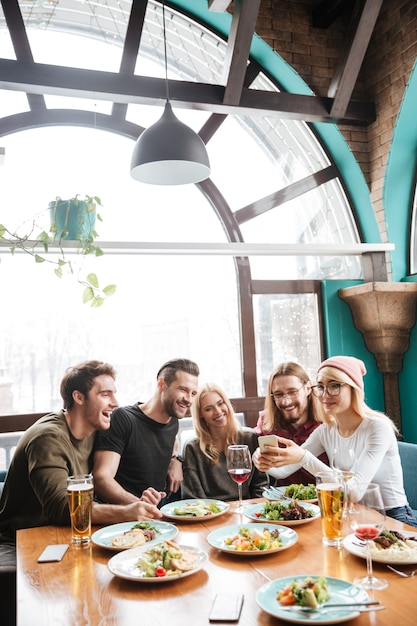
(350, 365)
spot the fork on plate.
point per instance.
(401, 573)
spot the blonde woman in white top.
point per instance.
(347, 423)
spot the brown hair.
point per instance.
(273, 419)
(168, 371)
(81, 378)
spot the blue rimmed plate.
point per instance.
(105, 536)
(278, 493)
(217, 538)
(194, 509)
(254, 512)
(342, 591)
(125, 565)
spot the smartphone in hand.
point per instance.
(270, 440)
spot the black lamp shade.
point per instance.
(169, 153)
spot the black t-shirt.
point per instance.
(145, 448)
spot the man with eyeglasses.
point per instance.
(289, 412)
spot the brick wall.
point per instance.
(286, 25)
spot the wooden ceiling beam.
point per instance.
(107, 86)
(131, 48)
(362, 26)
(238, 48)
(20, 41)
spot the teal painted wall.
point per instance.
(399, 179)
(343, 338)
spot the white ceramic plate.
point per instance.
(169, 509)
(253, 513)
(278, 493)
(351, 544)
(341, 590)
(105, 536)
(218, 537)
(124, 565)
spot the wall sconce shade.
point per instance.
(169, 153)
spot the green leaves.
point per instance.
(38, 246)
(93, 294)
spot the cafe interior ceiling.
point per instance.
(123, 22)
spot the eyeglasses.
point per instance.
(278, 395)
(332, 389)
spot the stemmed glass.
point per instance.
(239, 466)
(343, 461)
(367, 519)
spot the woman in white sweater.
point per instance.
(347, 423)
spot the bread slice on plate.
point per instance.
(130, 539)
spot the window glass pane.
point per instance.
(287, 329)
(162, 309)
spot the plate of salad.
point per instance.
(159, 563)
(284, 512)
(194, 510)
(252, 539)
(284, 597)
(122, 536)
(304, 493)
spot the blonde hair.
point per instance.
(358, 404)
(234, 430)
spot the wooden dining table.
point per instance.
(81, 590)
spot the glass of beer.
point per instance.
(330, 493)
(80, 501)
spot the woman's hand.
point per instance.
(278, 456)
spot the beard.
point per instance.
(171, 408)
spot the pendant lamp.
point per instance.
(169, 152)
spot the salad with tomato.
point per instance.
(166, 559)
(310, 592)
(247, 540)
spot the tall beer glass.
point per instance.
(330, 493)
(80, 501)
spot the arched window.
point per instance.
(272, 182)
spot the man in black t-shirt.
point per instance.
(139, 449)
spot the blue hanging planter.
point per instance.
(73, 219)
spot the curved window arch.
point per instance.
(261, 190)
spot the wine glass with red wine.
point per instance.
(239, 466)
(367, 519)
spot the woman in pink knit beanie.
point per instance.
(347, 422)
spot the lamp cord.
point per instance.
(165, 51)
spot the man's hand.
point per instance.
(141, 511)
(152, 496)
(174, 476)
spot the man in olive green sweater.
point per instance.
(59, 445)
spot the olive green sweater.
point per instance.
(35, 490)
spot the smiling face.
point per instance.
(291, 398)
(178, 397)
(336, 406)
(214, 412)
(100, 402)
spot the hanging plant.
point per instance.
(71, 220)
